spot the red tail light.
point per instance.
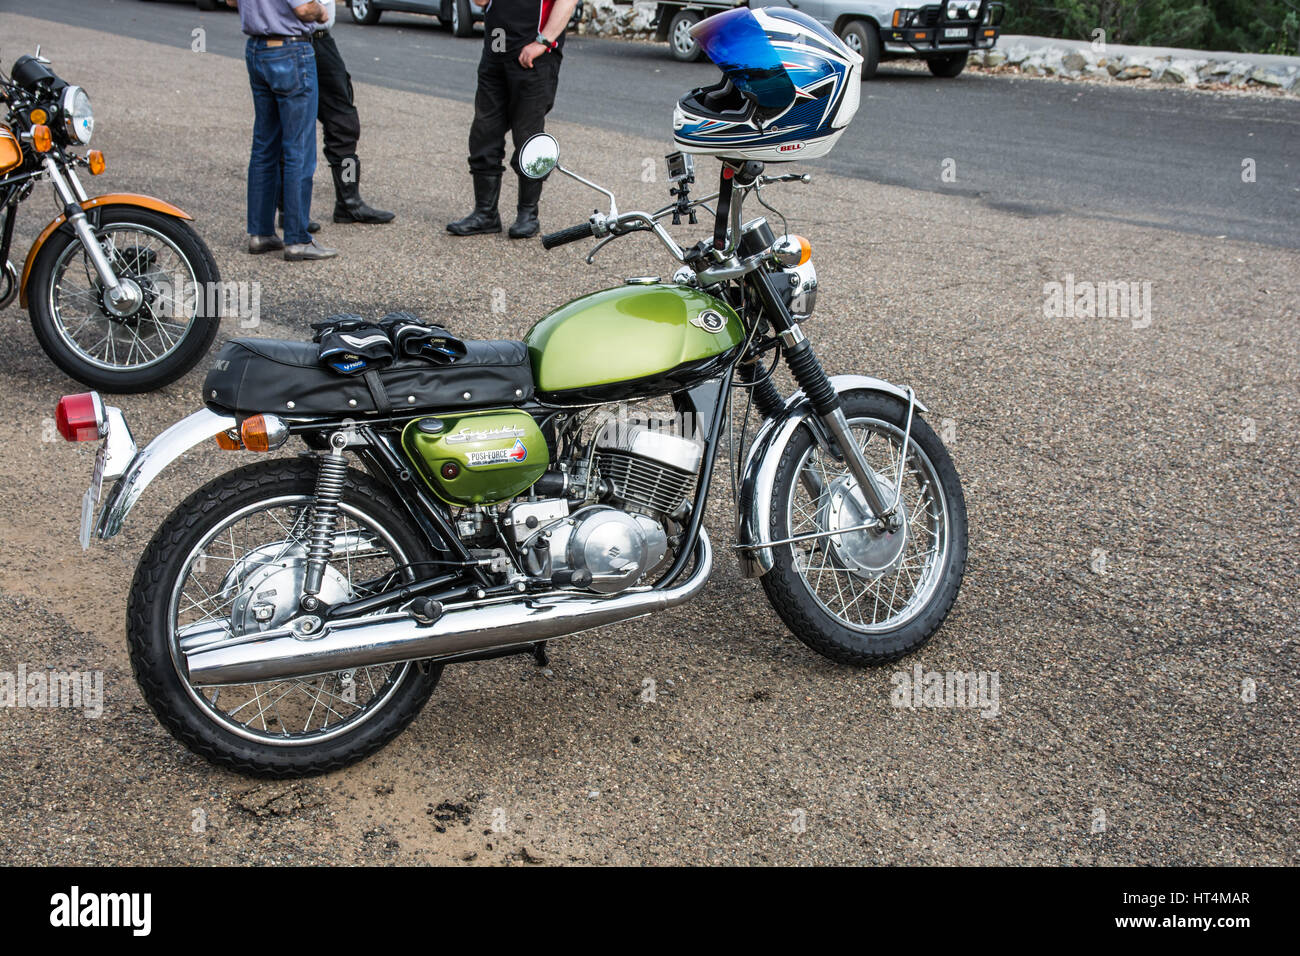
(80, 417)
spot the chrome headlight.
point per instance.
(962, 9)
(78, 118)
(798, 285)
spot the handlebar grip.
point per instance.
(572, 234)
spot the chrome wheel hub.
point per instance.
(866, 553)
(269, 581)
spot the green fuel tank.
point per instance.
(631, 342)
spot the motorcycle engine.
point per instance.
(646, 476)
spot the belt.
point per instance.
(300, 38)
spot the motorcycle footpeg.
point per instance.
(426, 610)
(571, 579)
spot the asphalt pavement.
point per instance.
(1172, 159)
(1131, 482)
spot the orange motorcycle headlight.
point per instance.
(95, 162)
(41, 139)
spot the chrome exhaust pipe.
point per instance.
(281, 654)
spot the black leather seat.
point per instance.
(285, 378)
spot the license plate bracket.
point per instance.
(90, 499)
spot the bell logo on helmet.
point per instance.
(790, 147)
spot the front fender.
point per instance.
(759, 479)
(157, 455)
(95, 202)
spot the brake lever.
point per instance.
(591, 256)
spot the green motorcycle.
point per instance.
(293, 615)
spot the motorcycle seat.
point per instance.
(251, 376)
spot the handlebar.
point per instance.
(572, 234)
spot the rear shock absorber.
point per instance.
(324, 518)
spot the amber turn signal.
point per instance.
(263, 432)
(228, 442)
(41, 140)
(40, 116)
(95, 162)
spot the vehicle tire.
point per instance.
(365, 12)
(462, 21)
(211, 725)
(54, 301)
(829, 615)
(680, 42)
(947, 66)
(862, 38)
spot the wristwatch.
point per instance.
(549, 44)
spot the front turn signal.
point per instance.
(41, 139)
(95, 162)
(792, 250)
(40, 116)
(264, 432)
(228, 441)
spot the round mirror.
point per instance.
(541, 154)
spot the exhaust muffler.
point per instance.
(281, 654)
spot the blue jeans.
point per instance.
(283, 158)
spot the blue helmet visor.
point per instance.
(735, 41)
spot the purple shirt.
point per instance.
(260, 18)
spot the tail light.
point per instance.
(80, 417)
(263, 432)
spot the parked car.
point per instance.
(458, 16)
(941, 33)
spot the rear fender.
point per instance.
(149, 463)
(95, 203)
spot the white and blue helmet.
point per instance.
(789, 88)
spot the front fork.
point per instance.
(812, 379)
(122, 297)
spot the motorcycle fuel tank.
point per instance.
(11, 152)
(477, 458)
(630, 342)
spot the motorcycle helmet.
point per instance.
(789, 88)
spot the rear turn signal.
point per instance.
(229, 442)
(95, 162)
(263, 432)
(41, 141)
(80, 417)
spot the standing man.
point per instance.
(282, 74)
(523, 43)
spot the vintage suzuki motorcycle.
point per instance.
(118, 285)
(294, 614)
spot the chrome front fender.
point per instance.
(148, 463)
(759, 478)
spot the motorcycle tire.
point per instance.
(180, 706)
(796, 599)
(175, 361)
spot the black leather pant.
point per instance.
(336, 111)
(510, 99)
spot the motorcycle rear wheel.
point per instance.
(161, 342)
(819, 586)
(208, 555)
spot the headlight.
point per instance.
(78, 117)
(962, 9)
(799, 289)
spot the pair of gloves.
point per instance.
(350, 345)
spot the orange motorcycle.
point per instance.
(119, 287)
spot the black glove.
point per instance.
(412, 337)
(350, 345)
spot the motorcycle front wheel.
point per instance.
(230, 560)
(862, 598)
(157, 342)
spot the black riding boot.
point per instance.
(530, 193)
(484, 218)
(348, 204)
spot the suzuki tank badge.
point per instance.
(709, 321)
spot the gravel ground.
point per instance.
(1162, 456)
